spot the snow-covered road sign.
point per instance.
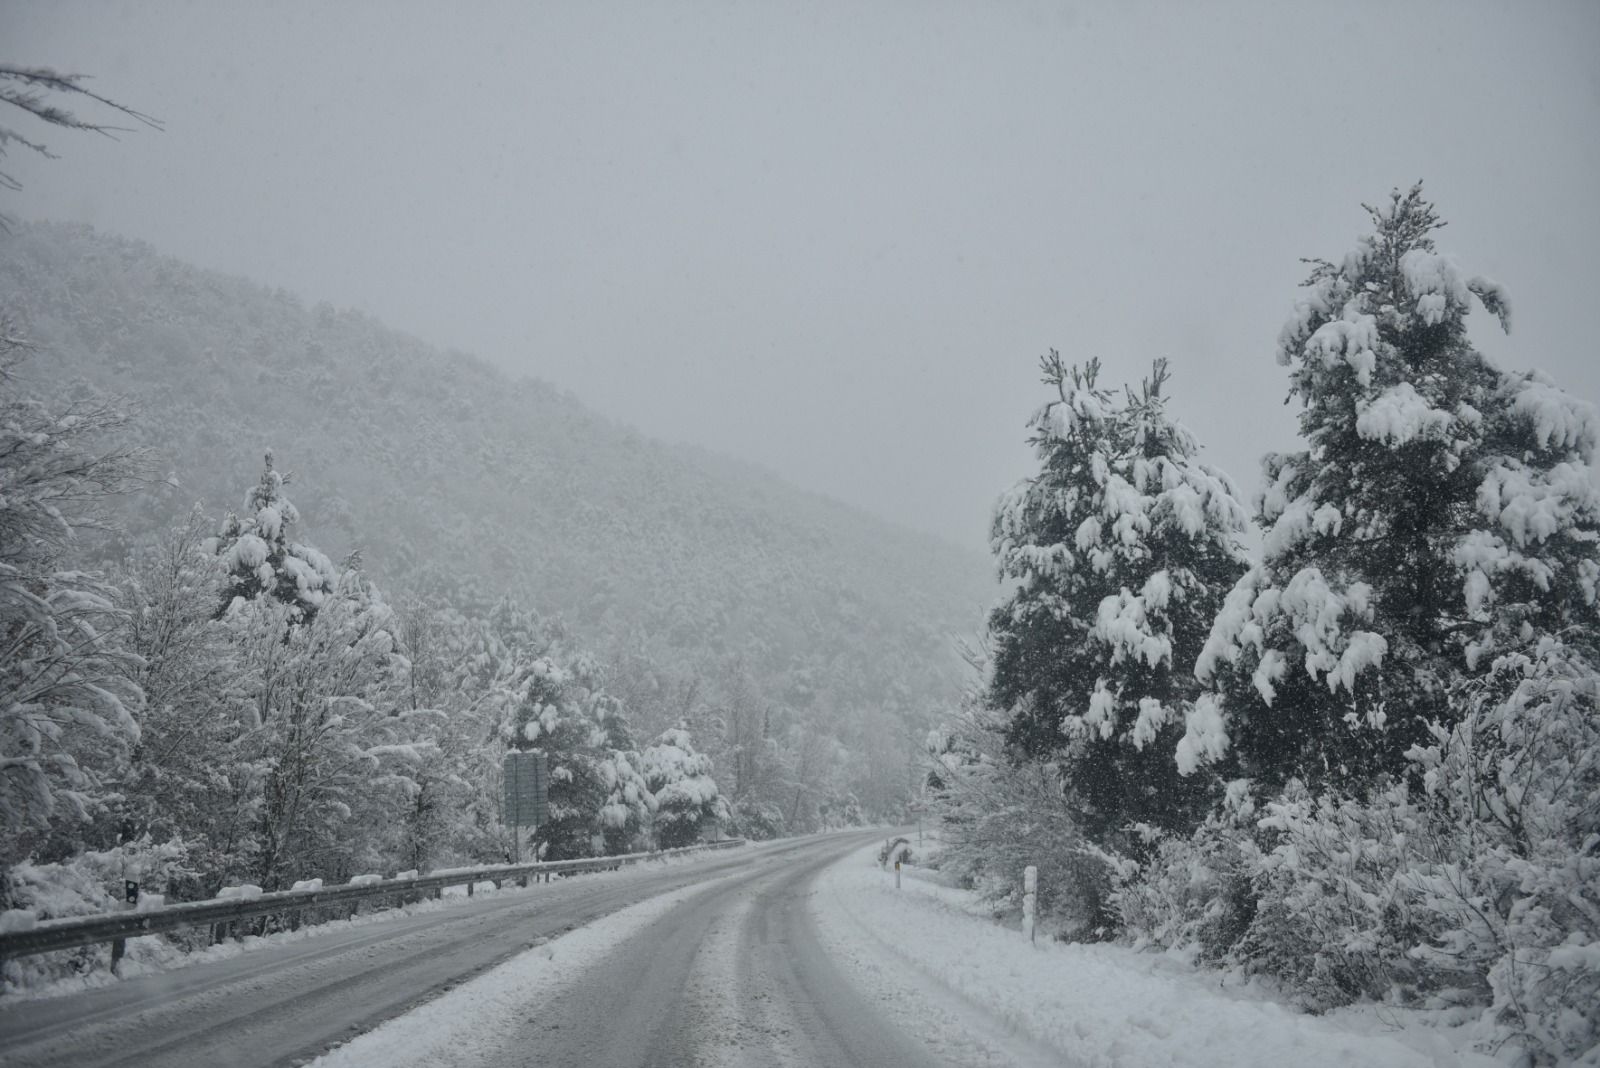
(526, 796)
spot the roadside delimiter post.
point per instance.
(1030, 884)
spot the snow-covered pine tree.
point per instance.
(1443, 510)
(260, 557)
(628, 802)
(596, 791)
(1122, 546)
(686, 795)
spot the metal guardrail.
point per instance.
(73, 931)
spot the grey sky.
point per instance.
(834, 238)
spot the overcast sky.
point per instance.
(834, 239)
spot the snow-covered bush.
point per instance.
(1480, 887)
(756, 819)
(998, 817)
(88, 884)
(1519, 780)
(1193, 894)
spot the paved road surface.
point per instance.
(283, 1005)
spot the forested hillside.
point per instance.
(713, 590)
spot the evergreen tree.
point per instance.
(1122, 546)
(596, 792)
(1443, 509)
(686, 796)
(263, 561)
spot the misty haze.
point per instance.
(734, 535)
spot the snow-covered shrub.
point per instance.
(91, 882)
(1193, 894)
(1519, 777)
(1336, 898)
(756, 819)
(998, 817)
(1483, 886)
(88, 884)
(1480, 886)
(1338, 909)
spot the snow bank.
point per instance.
(1099, 1006)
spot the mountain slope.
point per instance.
(453, 477)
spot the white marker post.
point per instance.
(1030, 884)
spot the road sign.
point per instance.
(526, 798)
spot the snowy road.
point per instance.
(737, 972)
(285, 1004)
(730, 975)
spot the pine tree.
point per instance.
(1122, 545)
(686, 795)
(262, 560)
(565, 712)
(1443, 509)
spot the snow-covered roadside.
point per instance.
(469, 1024)
(1098, 1006)
(153, 954)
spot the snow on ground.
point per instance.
(470, 1023)
(925, 948)
(152, 954)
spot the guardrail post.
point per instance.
(118, 948)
